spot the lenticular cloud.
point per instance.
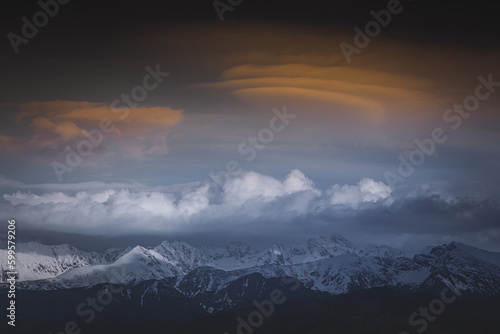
(247, 197)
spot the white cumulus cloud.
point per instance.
(242, 199)
(367, 190)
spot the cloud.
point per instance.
(48, 133)
(89, 113)
(377, 94)
(137, 132)
(244, 198)
(258, 205)
(8, 143)
(296, 96)
(367, 190)
(252, 186)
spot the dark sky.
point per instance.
(208, 97)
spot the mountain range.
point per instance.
(327, 263)
(214, 280)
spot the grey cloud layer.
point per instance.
(258, 204)
(99, 207)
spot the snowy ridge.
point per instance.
(327, 263)
(36, 261)
(139, 264)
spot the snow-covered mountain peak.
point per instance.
(183, 255)
(113, 254)
(483, 255)
(276, 254)
(327, 263)
(381, 251)
(37, 261)
(234, 255)
(38, 248)
(331, 245)
(322, 247)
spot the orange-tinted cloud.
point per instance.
(8, 143)
(89, 113)
(295, 95)
(408, 78)
(56, 123)
(371, 93)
